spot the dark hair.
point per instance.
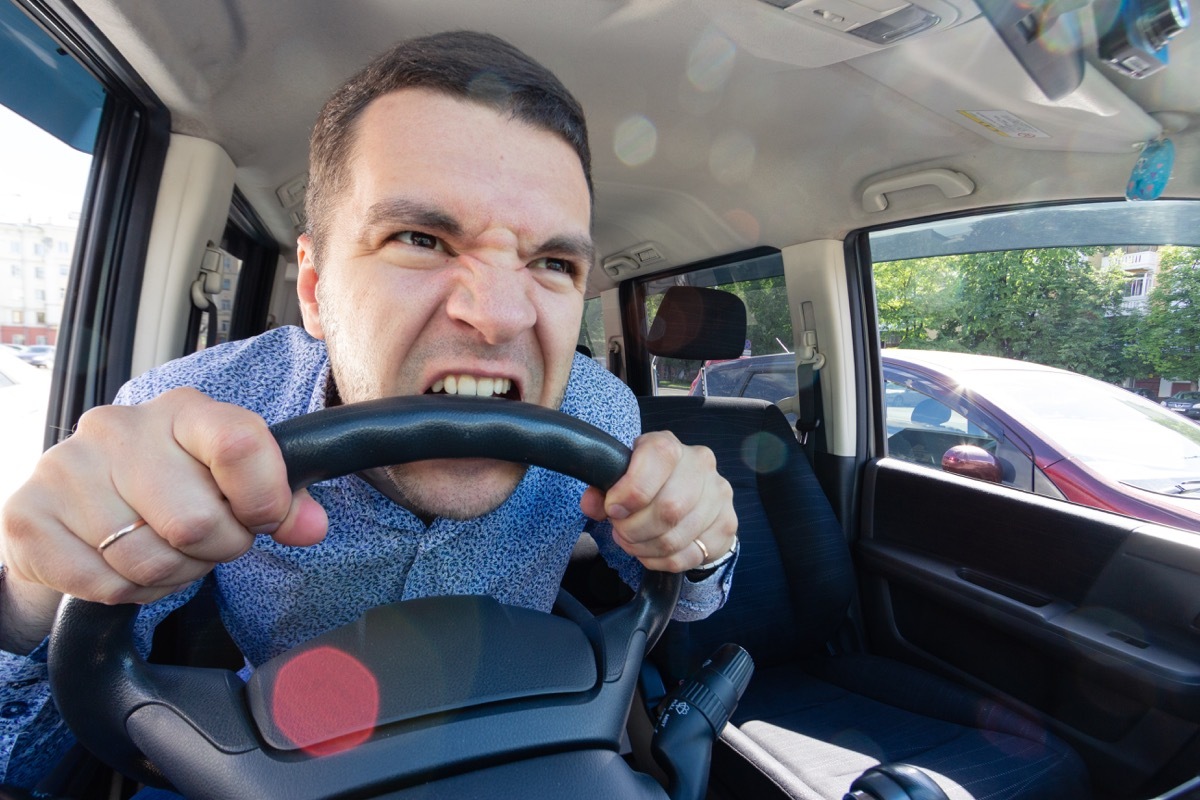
(474, 66)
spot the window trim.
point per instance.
(104, 287)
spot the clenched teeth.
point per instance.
(472, 386)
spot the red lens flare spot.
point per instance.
(325, 701)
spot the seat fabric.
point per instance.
(809, 722)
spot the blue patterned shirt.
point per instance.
(376, 552)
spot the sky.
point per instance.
(41, 179)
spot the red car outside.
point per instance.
(1050, 431)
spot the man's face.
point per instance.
(455, 262)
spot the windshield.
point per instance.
(1112, 431)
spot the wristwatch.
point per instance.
(707, 570)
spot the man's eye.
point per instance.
(418, 239)
(554, 265)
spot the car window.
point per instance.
(1103, 292)
(926, 417)
(48, 136)
(759, 283)
(770, 386)
(591, 330)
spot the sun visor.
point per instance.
(817, 33)
(46, 86)
(975, 81)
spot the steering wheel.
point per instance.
(473, 697)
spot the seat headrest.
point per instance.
(697, 323)
(930, 412)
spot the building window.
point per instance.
(14, 247)
(16, 270)
(42, 340)
(39, 272)
(18, 338)
(40, 295)
(63, 246)
(38, 250)
(41, 318)
(18, 317)
(1136, 287)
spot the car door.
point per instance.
(1085, 618)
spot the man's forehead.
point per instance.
(438, 142)
(451, 104)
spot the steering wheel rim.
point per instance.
(92, 654)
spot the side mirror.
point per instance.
(972, 461)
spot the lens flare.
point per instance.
(764, 452)
(710, 61)
(326, 701)
(635, 141)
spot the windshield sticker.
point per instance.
(1006, 124)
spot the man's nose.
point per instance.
(496, 300)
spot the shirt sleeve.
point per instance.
(33, 736)
(696, 599)
(598, 397)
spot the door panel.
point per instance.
(1088, 617)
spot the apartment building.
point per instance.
(35, 264)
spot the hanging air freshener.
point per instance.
(1152, 170)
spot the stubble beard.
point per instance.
(451, 488)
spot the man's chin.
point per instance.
(460, 488)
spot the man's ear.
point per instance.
(306, 287)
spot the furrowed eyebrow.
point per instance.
(400, 210)
(579, 247)
(409, 212)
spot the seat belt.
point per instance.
(808, 380)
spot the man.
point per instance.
(449, 245)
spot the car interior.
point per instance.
(901, 631)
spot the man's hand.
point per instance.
(204, 476)
(670, 498)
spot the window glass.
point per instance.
(1106, 294)
(43, 180)
(766, 368)
(591, 330)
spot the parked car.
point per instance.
(39, 355)
(24, 391)
(1050, 431)
(805, 157)
(1186, 403)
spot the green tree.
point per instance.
(1169, 333)
(768, 319)
(916, 301)
(1056, 306)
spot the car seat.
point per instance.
(931, 412)
(814, 716)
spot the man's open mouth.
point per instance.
(475, 386)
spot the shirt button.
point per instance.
(13, 709)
